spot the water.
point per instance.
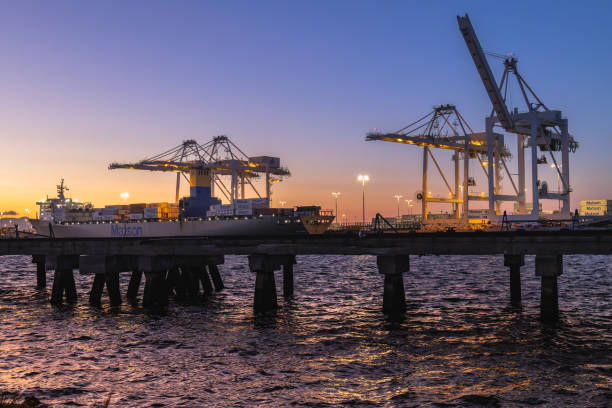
(460, 344)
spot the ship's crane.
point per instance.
(219, 158)
(445, 128)
(537, 127)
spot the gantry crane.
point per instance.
(218, 158)
(538, 127)
(445, 128)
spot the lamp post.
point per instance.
(409, 205)
(124, 196)
(363, 178)
(282, 203)
(398, 197)
(335, 195)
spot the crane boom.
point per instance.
(499, 105)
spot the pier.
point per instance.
(189, 267)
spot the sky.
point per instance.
(83, 84)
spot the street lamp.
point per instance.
(398, 197)
(124, 196)
(335, 195)
(363, 178)
(409, 205)
(282, 203)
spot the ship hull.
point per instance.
(256, 226)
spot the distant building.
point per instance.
(596, 207)
(528, 207)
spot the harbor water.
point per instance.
(460, 343)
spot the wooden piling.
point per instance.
(112, 287)
(134, 285)
(63, 280)
(97, 287)
(205, 280)
(156, 294)
(191, 282)
(216, 277)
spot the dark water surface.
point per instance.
(460, 344)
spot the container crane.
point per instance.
(207, 164)
(445, 128)
(538, 127)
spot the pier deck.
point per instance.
(178, 265)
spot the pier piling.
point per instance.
(393, 267)
(41, 271)
(515, 262)
(134, 285)
(156, 289)
(95, 296)
(213, 269)
(63, 281)
(205, 280)
(265, 299)
(288, 278)
(112, 287)
(549, 267)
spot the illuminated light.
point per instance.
(398, 140)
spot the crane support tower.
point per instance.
(208, 167)
(538, 128)
(445, 128)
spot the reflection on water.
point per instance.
(460, 343)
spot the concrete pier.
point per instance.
(548, 268)
(63, 281)
(156, 256)
(515, 262)
(393, 267)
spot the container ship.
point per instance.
(63, 217)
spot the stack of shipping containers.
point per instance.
(596, 207)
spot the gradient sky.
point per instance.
(83, 84)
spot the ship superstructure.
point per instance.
(64, 209)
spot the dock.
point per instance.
(190, 266)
